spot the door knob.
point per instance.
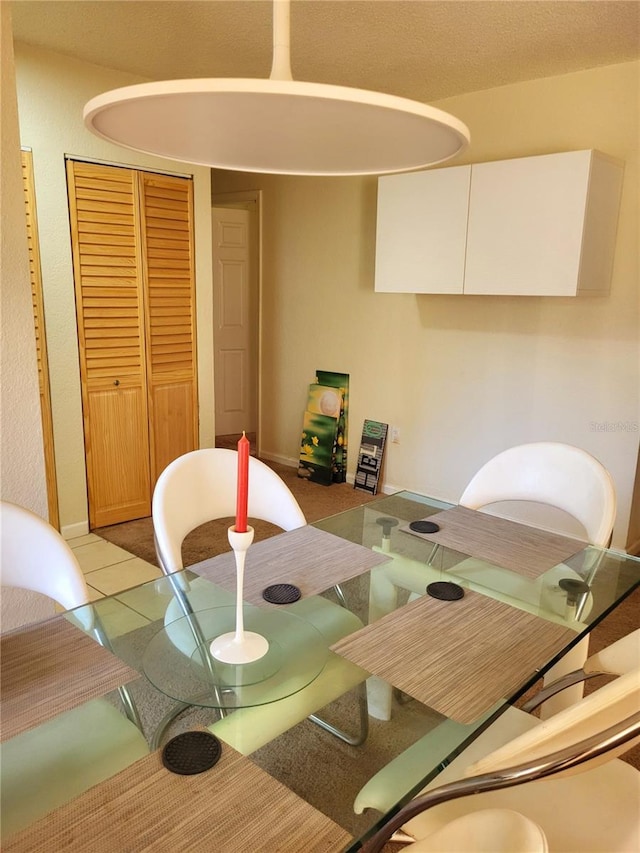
(116, 382)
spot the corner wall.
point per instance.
(52, 90)
(22, 471)
(462, 377)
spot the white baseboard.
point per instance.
(385, 488)
(72, 531)
(281, 460)
(390, 489)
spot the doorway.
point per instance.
(236, 315)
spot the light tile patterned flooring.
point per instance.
(109, 570)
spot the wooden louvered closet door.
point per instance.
(105, 236)
(35, 272)
(137, 415)
(167, 241)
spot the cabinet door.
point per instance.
(526, 220)
(421, 231)
(103, 204)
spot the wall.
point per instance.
(21, 455)
(633, 536)
(462, 377)
(52, 90)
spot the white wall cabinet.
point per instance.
(422, 231)
(533, 226)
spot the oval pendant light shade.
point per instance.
(277, 125)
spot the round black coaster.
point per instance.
(387, 524)
(424, 526)
(191, 752)
(573, 587)
(281, 593)
(445, 591)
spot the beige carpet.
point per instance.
(316, 502)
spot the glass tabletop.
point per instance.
(147, 627)
(578, 591)
(178, 659)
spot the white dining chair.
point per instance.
(547, 472)
(569, 479)
(564, 774)
(47, 766)
(617, 658)
(200, 486)
(542, 472)
(551, 474)
(486, 831)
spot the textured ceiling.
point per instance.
(425, 49)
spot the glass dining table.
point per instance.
(456, 615)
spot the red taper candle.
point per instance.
(242, 497)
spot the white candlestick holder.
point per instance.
(239, 646)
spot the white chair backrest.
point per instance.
(617, 658)
(201, 486)
(485, 831)
(551, 473)
(34, 556)
(591, 716)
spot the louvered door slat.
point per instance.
(159, 242)
(103, 236)
(106, 273)
(163, 340)
(169, 236)
(99, 314)
(104, 208)
(126, 255)
(114, 320)
(169, 263)
(95, 222)
(166, 289)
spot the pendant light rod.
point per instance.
(281, 63)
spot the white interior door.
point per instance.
(235, 326)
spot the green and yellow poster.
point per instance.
(323, 444)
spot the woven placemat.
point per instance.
(311, 559)
(457, 657)
(518, 547)
(234, 807)
(50, 668)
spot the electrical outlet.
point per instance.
(395, 435)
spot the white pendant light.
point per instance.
(277, 125)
